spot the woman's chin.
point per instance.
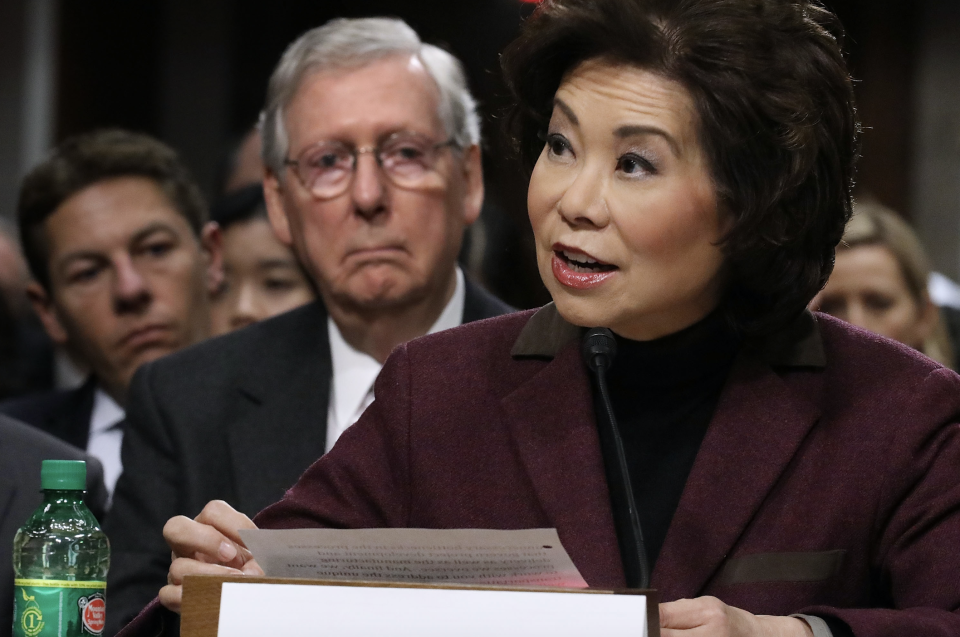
(583, 312)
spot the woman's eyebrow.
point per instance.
(636, 130)
(559, 103)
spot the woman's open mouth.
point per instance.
(579, 262)
(575, 269)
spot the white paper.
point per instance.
(528, 557)
(254, 610)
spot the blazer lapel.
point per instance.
(552, 422)
(282, 412)
(757, 428)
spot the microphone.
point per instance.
(598, 349)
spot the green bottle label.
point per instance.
(58, 608)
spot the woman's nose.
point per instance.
(246, 310)
(583, 202)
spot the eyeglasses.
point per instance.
(408, 159)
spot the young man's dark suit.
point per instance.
(237, 418)
(22, 449)
(64, 414)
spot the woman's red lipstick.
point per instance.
(578, 270)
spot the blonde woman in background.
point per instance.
(879, 283)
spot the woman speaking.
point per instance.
(770, 471)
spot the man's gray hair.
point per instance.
(352, 43)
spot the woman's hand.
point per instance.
(709, 617)
(210, 544)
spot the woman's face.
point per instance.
(262, 278)
(867, 288)
(623, 208)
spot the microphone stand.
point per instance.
(599, 347)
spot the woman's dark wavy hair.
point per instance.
(776, 120)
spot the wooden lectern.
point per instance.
(200, 612)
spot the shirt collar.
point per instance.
(106, 412)
(354, 371)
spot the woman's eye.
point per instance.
(279, 285)
(631, 164)
(558, 145)
(878, 302)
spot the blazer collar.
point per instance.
(797, 345)
(760, 422)
(551, 420)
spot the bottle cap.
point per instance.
(63, 475)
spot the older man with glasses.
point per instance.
(370, 139)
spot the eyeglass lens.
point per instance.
(326, 168)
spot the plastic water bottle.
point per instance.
(60, 560)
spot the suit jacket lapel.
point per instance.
(70, 421)
(757, 428)
(479, 304)
(552, 422)
(282, 405)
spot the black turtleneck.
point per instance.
(664, 393)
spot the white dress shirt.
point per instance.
(351, 388)
(106, 437)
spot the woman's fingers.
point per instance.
(709, 617)
(212, 537)
(225, 519)
(252, 568)
(207, 545)
(171, 594)
(694, 617)
(170, 597)
(183, 566)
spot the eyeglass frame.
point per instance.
(356, 152)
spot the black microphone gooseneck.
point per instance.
(599, 348)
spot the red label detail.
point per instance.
(94, 615)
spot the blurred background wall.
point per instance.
(193, 73)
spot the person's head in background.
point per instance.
(371, 143)
(262, 277)
(879, 283)
(244, 166)
(123, 257)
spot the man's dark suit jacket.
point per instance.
(236, 418)
(61, 413)
(22, 449)
(828, 482)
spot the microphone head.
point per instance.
(598, 348)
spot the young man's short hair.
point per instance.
(86, 159)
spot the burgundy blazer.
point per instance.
(828, 482)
